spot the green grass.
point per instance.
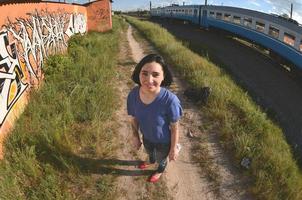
(245, 129)
(58, 143)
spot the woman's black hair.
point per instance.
(149, 59)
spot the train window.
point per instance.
(247, 22)
(218, 15)
(289, 39)
(260, 26)
(273, 31)
(227, 17)
(236, 19)
(212, 14)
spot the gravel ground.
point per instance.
(271, 87)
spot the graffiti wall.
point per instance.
(29, 33)
(25, 43)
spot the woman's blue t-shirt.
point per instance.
(154, 119)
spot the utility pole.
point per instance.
(205, 2)
(150, 5)
(291, 10)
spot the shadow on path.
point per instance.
(112, 166)
(62, 159)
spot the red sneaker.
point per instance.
(155, 177)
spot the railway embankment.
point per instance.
(244, 128)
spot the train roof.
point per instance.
(269, 17)
(287, 23)
(185, 6)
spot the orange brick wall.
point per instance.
(99, 15)
(29, 33)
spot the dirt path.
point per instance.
(185, 178)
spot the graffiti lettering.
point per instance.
(11, 86)
(77, 24)
(35, 38)
(47, 37)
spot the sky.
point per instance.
(266, 6)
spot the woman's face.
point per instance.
(151, 77)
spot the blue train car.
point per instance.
(282, 36)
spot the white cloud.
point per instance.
(253, 2)
(283, 6)
(297, 17)
(268, 1)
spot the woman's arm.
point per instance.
(174, 140)
(134, 126)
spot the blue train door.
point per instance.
(195, 19)
(204, 21)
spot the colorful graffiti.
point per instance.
(11, 86)
(23, 46)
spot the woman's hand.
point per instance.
(136, 139)
(173, 154)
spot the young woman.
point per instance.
(155, 111)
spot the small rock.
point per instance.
(190, 134)
(246, 162)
